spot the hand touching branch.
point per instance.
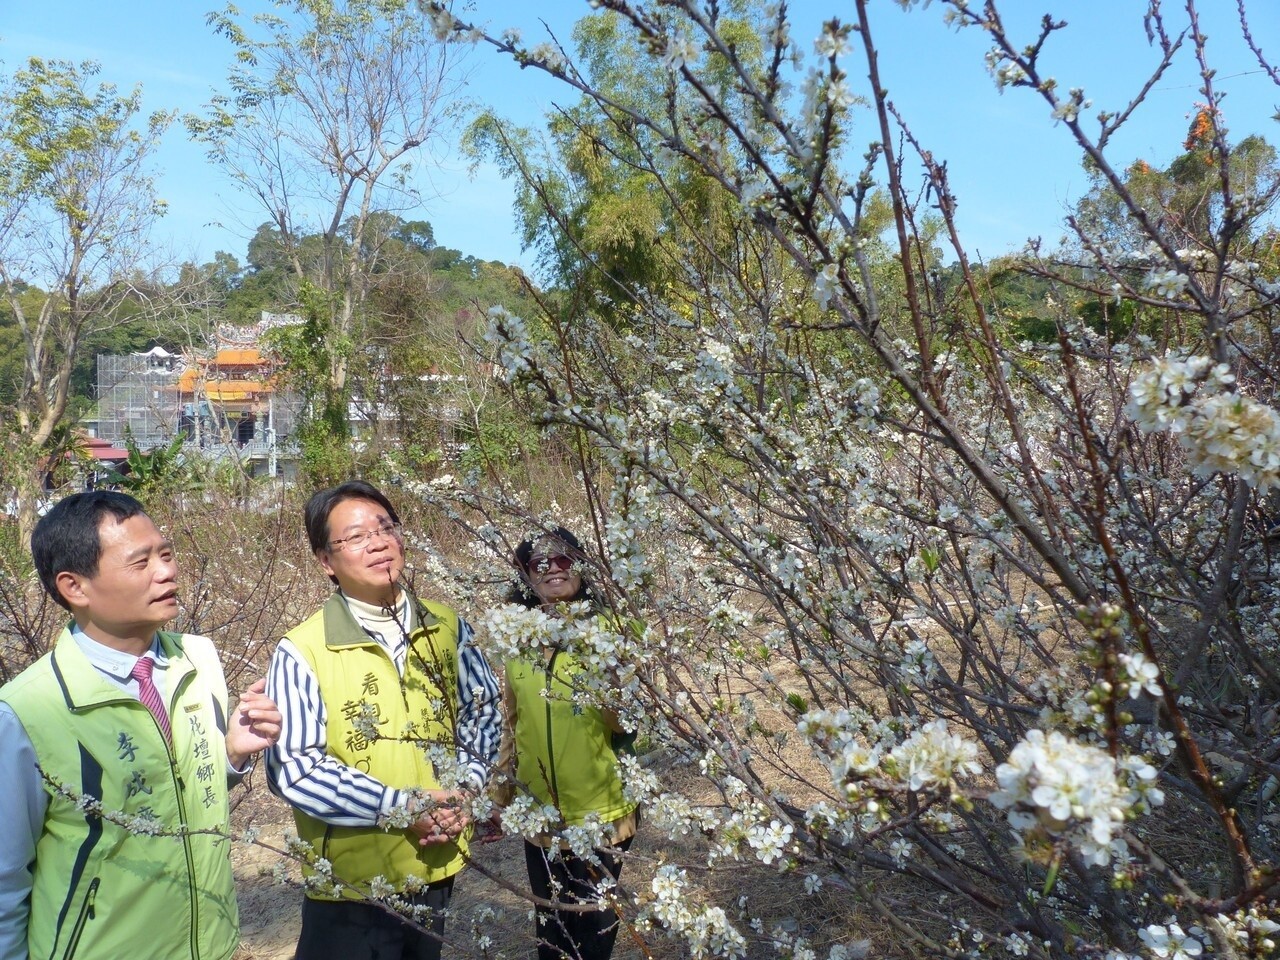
(253, 726)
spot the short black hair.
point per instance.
(522, 591)
(315, 515)
(66, 540)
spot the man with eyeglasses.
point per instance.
(391, 723)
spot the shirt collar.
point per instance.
(115, 663)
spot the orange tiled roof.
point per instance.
(234, 389)
(238, 358)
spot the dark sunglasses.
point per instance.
(559, 563)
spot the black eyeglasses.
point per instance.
(558, 562)
(360, 539)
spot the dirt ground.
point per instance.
(270, 911)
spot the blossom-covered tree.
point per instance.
(1015, 599)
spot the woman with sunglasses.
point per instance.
(563, 754)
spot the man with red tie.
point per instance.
(118, 754)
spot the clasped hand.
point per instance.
(443, 817)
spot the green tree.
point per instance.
(1186, 199)
(76, 203)
(607, 207)
(147, 472)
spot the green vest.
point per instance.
(98, 890)
(351, 667)
(564, 751)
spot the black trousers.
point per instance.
(354, 930)
(586, 935)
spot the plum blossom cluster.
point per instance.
(1168, 284)
(511, 631)
(610, 655)
(583, 839)
(527, 818)
(1249, 932)
(1070, 108)
(826, 284)
(715, 369)
(672, 813)
(443, 22)
(634, 507)
(1075, 792)
(1221, 430)
(931, 757)
(769, 840)
(508, 335)
(1064, 698)
(706, 931)
(749, 832)
(918, 666)
(321, 878)
(680, 50)
(832, 42)
(1159, 394)
(142, 824)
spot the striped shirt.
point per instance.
(299, 768)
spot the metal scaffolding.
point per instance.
(138, 397)
(225, 405)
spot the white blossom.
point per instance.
(1167, 283)
(826, 283)
(1171, 941)
(769, 840)
(934, 756)
(1220, 429)
(831, 43)
(1066, 110)
(549, 56)
(1016, 944)
(680, 50)
(1141, 674)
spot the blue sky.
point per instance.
(1015, 173)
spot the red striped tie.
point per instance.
(150, 696)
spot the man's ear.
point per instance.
(71, 586)
(323, 557)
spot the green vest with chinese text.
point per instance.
(100, 890)
(352, 669)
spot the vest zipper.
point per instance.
(551, 750)
(179, 787)
(86, 914)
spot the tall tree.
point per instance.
(76, 205)
(330, 105)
